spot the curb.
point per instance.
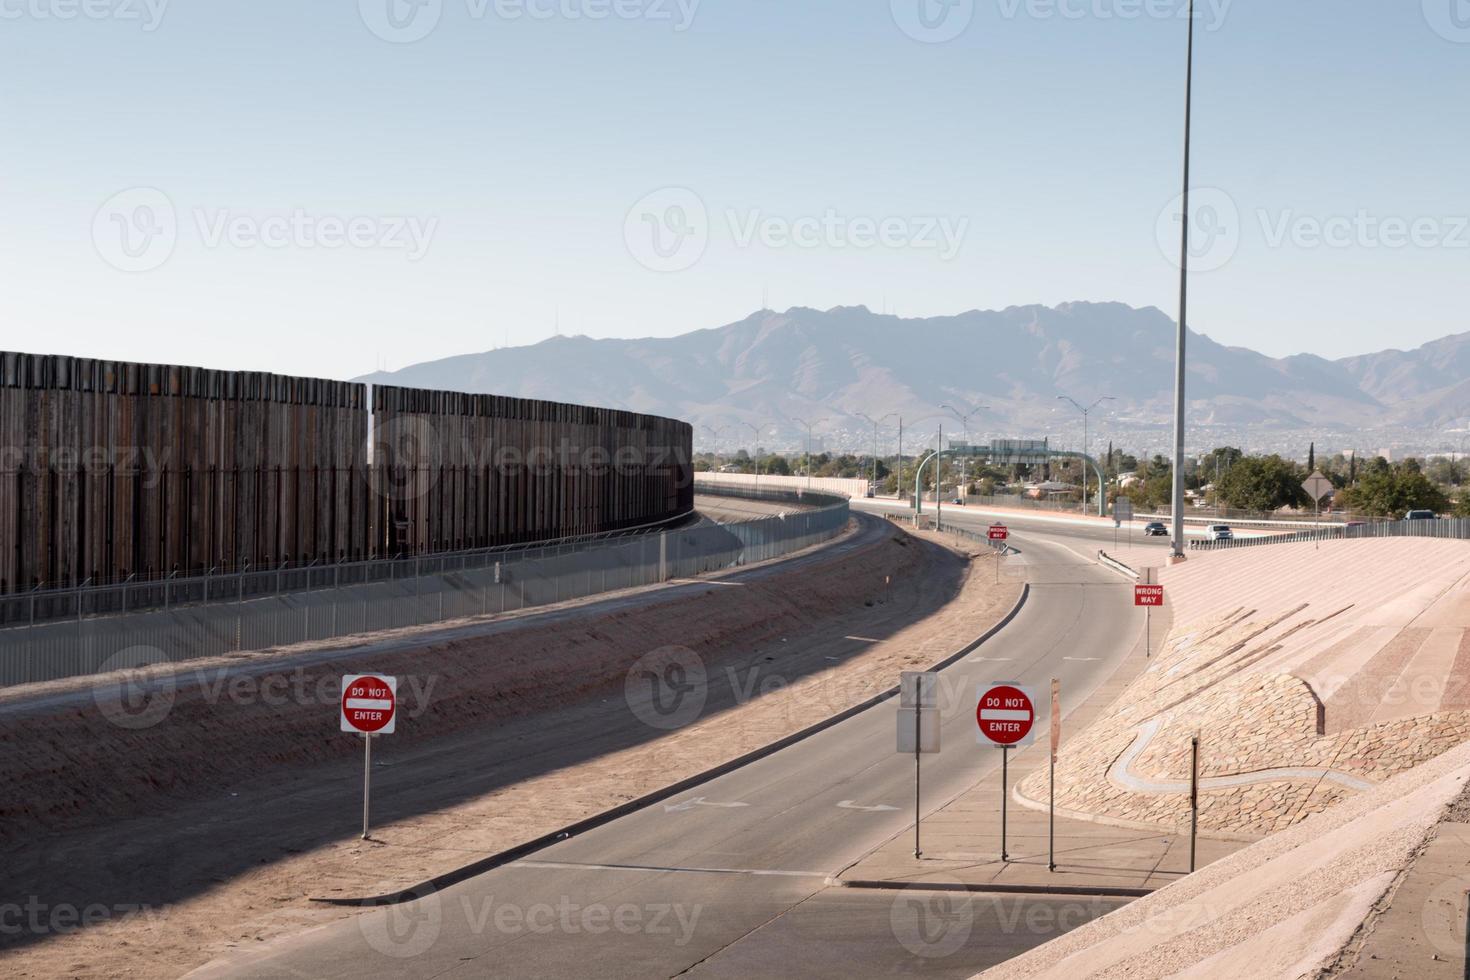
(1106, 559)
(999, 889)
(520, 851)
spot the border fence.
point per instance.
(320, 604)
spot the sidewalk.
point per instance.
(961, 840)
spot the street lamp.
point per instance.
(715, 431)
(808, 423)
(965, 426)
(1182, 326)
(890, 415)
(755, 451)
(1085, 447)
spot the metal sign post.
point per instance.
(367, 779)
(1193, 797)
(1006, 715)
(918, 731)
(369, 706)
(1148, 595)
(1056, 738)
(1316, 487)
(1005, 755)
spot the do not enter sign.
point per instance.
(1006, 714)
(369, 703)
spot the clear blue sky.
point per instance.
(1044, 136)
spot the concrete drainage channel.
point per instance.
(522, 851)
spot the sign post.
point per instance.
(1148, 596)
(1056, 740)
(1123, 514)
(998, 535)
(369, 706)
(1317, 486)
(1005, 714)
(918, 732)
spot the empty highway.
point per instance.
(732, 878)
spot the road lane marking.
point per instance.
(852, 805)
(699, 801)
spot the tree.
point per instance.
(1262, 483)
(1388, 492)
(1312, 458)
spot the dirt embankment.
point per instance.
(139, 744)
(212, 826)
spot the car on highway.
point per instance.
(1155, 529)
(1420, 515)
(1220, 532)
(958, 501)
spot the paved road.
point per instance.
(731, 880)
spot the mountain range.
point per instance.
(773, 370)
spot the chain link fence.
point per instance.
(304, 605)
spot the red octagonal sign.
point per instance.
(1005, 714)
(369, 703)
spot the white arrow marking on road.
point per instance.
(698, 801)
(852, 805)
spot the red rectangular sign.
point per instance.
(999, 532)
(1148, 595)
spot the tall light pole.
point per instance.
(1183, 327)
(715, 431)
(808, 423)
(877, 423)
(755, 451)
(965, 427)
(1085, 447)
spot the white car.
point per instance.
(1220, 532)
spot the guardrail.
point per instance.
(439, 589)
(1458, 528)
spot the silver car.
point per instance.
(1221, 532)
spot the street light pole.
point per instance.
(755, 451)
(1085, 447)
(809, 424)
(965, 426)
(715, 431)
(1182, 337)
(875, 445)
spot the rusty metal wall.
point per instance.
(110, 469)
(114, 470)
(455, 471)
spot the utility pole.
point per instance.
(1183, 328)
(1085, 413)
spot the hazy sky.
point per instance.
(331, 186)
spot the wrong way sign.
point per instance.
(1148, 595)
(369, 703)
(999, 532)
(1006, 715)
